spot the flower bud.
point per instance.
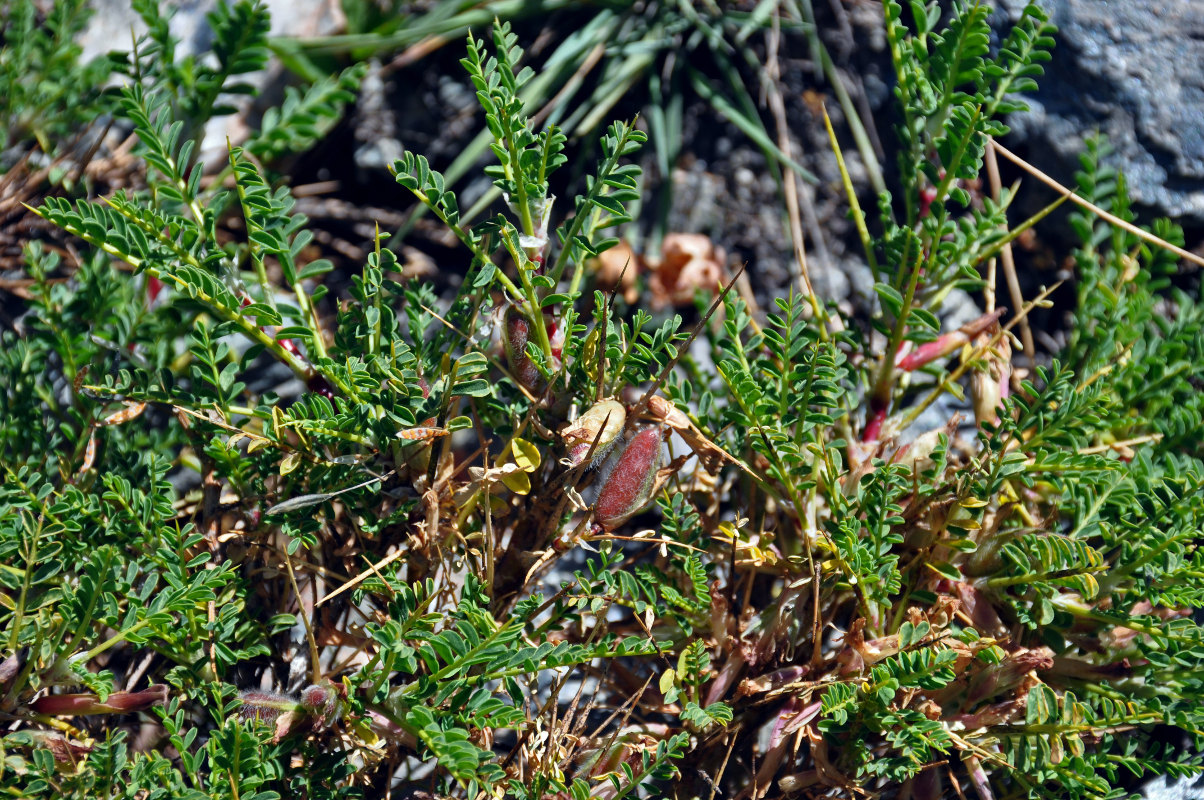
(623, 748)
(291, 346)
(940, 347)
(11, 667)
(947, 343)
(386, 728)
(978, 776)
(877, 417)
(153, 287)
(603, 422)
(72, 705)
(628, 487)
(771, 681)
(989, 716)
(321, 702)
(319, 385)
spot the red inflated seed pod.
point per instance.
(628, 487)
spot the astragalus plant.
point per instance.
(537, 543)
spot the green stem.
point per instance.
(1033, 577)
(1016, 232)
(886, 375)
(579, 267)
(120, 637)
(954, 166)
(617, 373)
(1077, 608)
(468, 242)
(261, 273)
(799, 507)
(31, 557)
(514, 174)
(86, 621)
(677, 741)
(584, 203)
(374, 338)
(535, 312)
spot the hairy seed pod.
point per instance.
(515, 335)
(281, 711)
(603, 421)
(628, 487)
(266, 706)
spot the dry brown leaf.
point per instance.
(688, 262)
(618, 266)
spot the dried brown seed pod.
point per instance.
(628, 487)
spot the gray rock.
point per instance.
(115, 22)
(1163, 788)
(114, 26)
(375, 124)
(1130, 70)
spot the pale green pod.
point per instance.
(604, 422)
